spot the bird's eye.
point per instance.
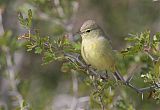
(88, 30)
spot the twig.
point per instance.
(13, 81)
(150, 56)
(131, 72)
(59, 8)
(100, 97)
(74, 58)
(127, 83)
(75, 91)
(101, 103)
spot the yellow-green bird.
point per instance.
(96, 49)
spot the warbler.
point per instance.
(96, 49)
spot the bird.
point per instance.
(96, 49)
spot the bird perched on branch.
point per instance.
(96, 49)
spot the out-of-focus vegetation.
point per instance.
(44, 79)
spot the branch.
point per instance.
(13, 81)
(75, 90)
(75, 59)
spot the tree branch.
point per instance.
(75, 58)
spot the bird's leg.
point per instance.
(87, 66)
(106, 75)
(90, 70)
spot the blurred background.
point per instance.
(25, 82)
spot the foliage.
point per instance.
(146, 48)
(143, 48)
(51, 75)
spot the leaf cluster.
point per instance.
(142, 48)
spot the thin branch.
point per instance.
(95, 85)
(131, 71)
(59, 8)
(74, 57)
(75, 91)
(101, 103)
(13, 81)
(150, 56)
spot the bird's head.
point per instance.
(90, 29)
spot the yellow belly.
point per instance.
(98, 53)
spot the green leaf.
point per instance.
(157, 68)
(26, 22)
(77, 46)
(29, 49)
(48, 57)
(21, 19)
(38, 50)
(20, 16)
(131, 39)
(30, 14)
(30, 46)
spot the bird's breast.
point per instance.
(98, 53)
